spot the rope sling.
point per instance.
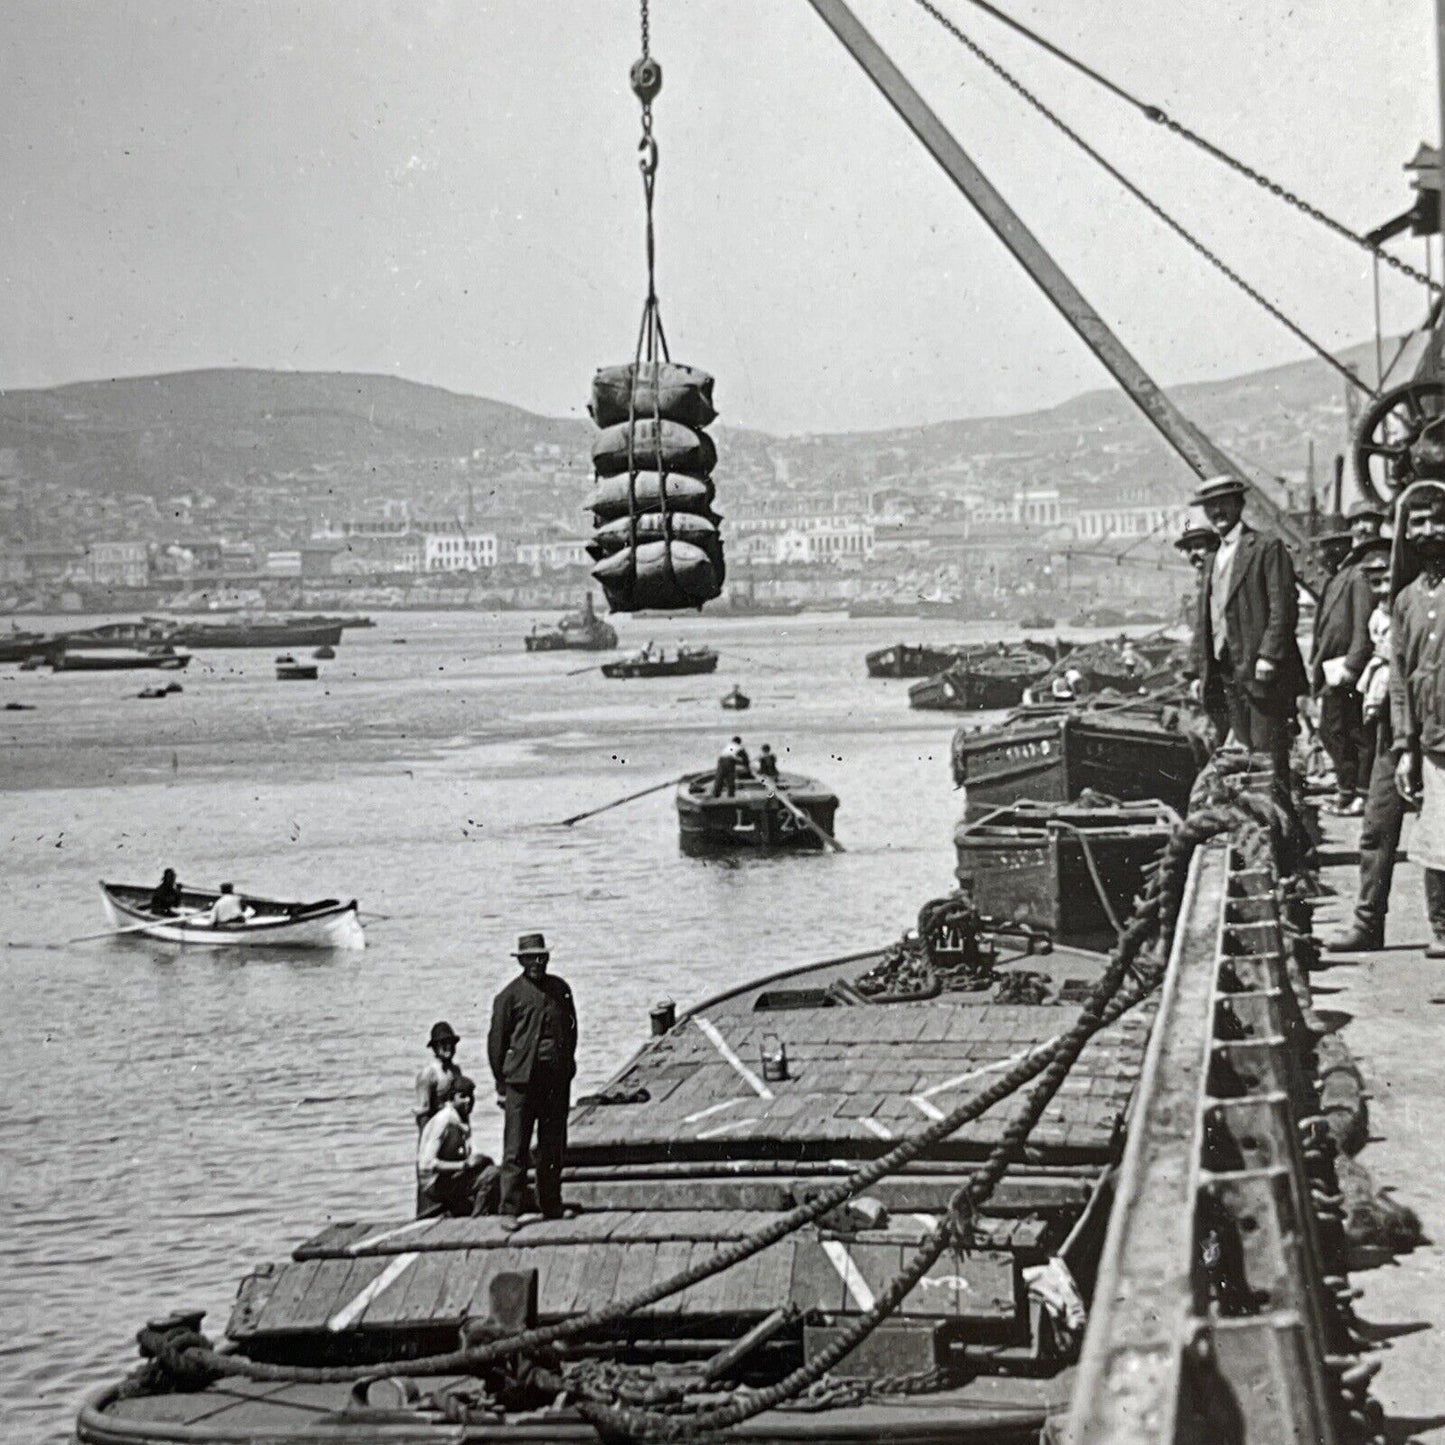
(675, 562)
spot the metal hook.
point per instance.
(648, 164)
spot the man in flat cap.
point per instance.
(438, 1076)
(532, 1048)
(1338, 655)
(1365, 521)
(1246, 655)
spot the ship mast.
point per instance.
(1198, 451)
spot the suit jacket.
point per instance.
(1342, 624)
(1260, 616)
(518, 1013)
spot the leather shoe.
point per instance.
(1357, 940)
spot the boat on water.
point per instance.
(778, 815)
(164, 659)
(343, 621)
(325, 654)
(258, 632)
(289, 670)
(732, 1115)
(327, 923)
(904, 659)
(16, 645)
(1053, 752)
(736, 700)
(685, 662)
(132, 635)
(581, 631)
(981, 684)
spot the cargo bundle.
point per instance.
(655, 541)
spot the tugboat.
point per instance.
(785, 814)
(686, 662)
(580, 631)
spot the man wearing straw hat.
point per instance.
(1246, 656)
(532, 1048)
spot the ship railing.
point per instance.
(1211, 1315)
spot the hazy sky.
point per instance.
(448, 192)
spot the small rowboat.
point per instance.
(325, 924)
(755, 817)
(289, 670)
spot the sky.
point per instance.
(448, 192)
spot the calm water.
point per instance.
(169, 1119)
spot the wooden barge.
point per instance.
(762, 816)
(1052, 753)
(748, 1104)
(981, 685)
(685, 662)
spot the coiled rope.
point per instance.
(1127, 979)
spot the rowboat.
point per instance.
(119, 660)
(324, 924)
(688, 662)
(756, 817)
(289, 670)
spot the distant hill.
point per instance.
(292, 445)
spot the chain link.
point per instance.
(1152, 206)
(646, 19)
(1160, 116)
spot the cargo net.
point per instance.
(655, 537)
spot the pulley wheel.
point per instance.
(646, 76)
(1386, 433)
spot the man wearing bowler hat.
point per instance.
(532, 1048)
(1246, 655)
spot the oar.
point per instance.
(132, 927)
(616, 803)
(800, 815)
(578, 671)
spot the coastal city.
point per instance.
(717, 734)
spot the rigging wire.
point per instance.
(1152, 206)
(1160, 116)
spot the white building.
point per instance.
(118, 564)
(550, 553)
(836, 537)
(459, 551)
(1131, 519)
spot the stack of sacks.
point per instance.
(653, 464)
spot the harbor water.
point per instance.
(170, 1118)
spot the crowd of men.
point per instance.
(1376, 673)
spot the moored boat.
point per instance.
(327, 923)
(132, 636)
(17, 645)
(981, 684)
(580, 631)
(748, 1106)
(685, 662)
(1051, 753)
(66, 659)
(762, 816)
(289, 670)
(258, 633)
(736, 700)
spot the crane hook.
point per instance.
(648, 163)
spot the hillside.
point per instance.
(275, 450)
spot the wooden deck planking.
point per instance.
(425, 1283)
(292, 1284)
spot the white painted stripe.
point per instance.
(874, 1127)
(348, 1314)
(731, 1126)
(854, 1282)
(926, 1106)
(997, 1064)
(373, 1239)
(709, 1031)
(712, 1109)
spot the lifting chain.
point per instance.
(1159, 116)
(1152, 206)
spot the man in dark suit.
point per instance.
(532, 1049)
(1245, 651)
(1338, 655)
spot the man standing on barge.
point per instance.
(532, 1048)
(1246, 656)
